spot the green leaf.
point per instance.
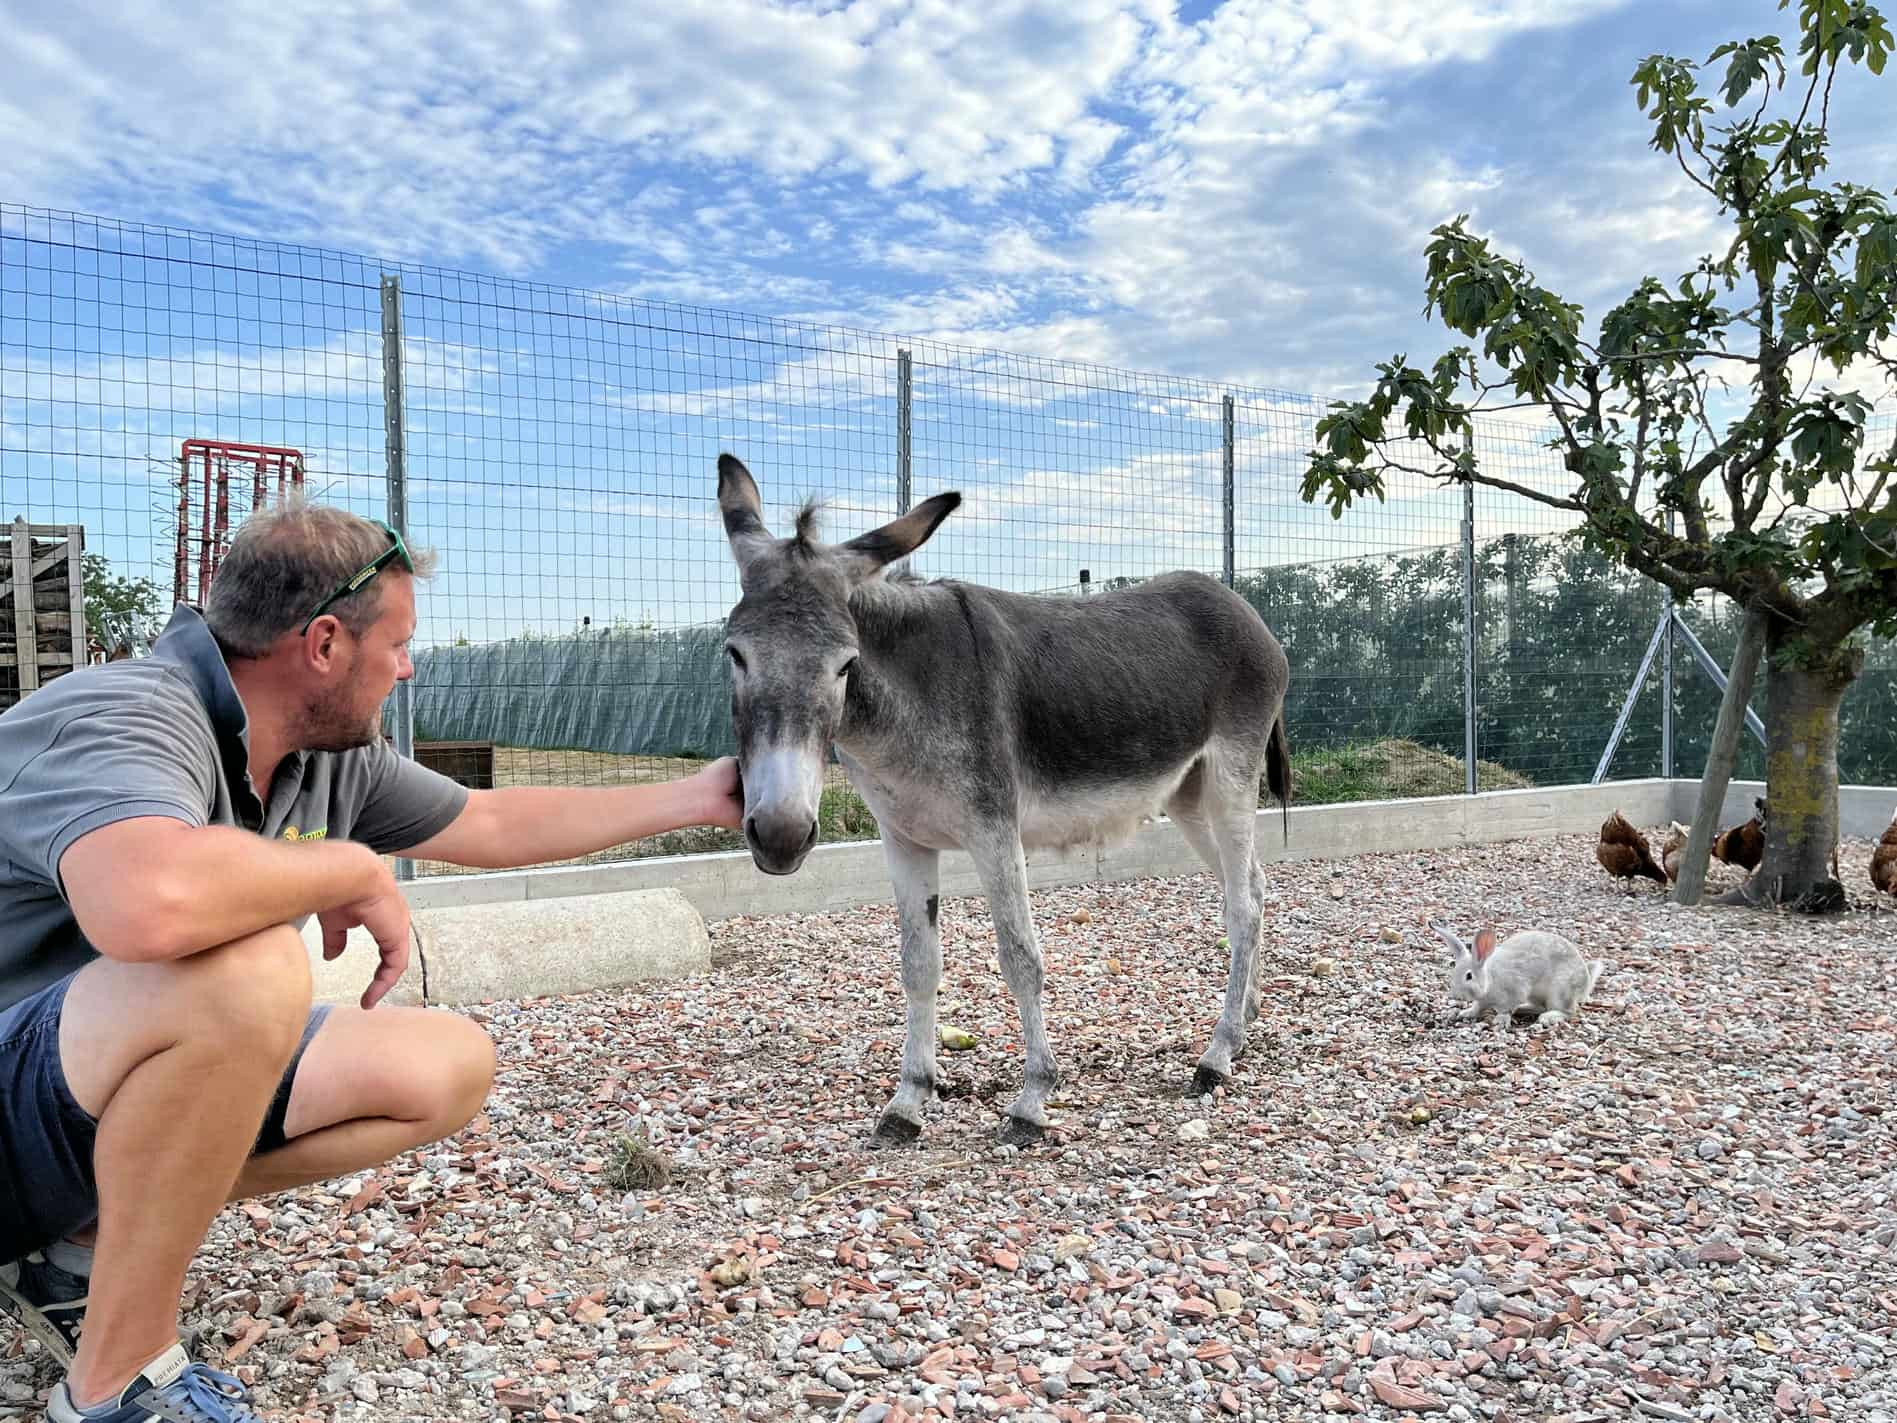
(1750, 64)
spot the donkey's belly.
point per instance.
(932, 815)
(1094, 815)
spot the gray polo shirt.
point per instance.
(167, 735)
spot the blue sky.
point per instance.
(1236, 193)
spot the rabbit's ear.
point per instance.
(1448, 937)
(1484, 944)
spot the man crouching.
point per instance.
(167, 824)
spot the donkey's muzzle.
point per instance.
(779, 843)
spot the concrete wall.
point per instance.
(838, 876)
(488, 935)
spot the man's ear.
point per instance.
(321, 645)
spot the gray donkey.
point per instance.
(973, 719)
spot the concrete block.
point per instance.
(522, 948)
(537, 947)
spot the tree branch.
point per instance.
(1691, 478)
(1490, 481)
(1687, 352)
(1771, 399)
(1767, 451)
(1798, 123)
(1883, 478)
(1694, 178)
(1640, 449)
(1677, 565)
(1704, 415)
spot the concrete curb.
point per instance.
(475, 954)
(524, 933)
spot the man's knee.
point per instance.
(446, 1075)
(246, 1001)
(467, 1074)
(255, 990)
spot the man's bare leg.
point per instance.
(178, 1062)
(370, 1086)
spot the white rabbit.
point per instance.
(1534, 971)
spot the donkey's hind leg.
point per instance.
(1002, 865)
(916, 874)
(1228, 803)
(1185, 811)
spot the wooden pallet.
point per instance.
(42, 605)
(469, 762)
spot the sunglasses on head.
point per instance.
(396, 549)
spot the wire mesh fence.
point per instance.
(558, 449)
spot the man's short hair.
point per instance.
(284, 560)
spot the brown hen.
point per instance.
(1884, 859)
(1743, 845)
(1623, 851)
(1674, 850)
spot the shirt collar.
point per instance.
(187, 644)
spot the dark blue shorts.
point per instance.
(46, 1138)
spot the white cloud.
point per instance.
(496, 131)
(1244, 198)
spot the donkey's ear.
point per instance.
(743, 511)
(867, 555)
(1484, 945)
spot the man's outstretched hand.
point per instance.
(722, 792)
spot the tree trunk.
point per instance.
(1804, 688)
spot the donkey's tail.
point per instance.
(1278, 771)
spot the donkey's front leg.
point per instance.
(917, 877)
(1004, 875)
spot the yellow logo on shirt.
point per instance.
(290, 833)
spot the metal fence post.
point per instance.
(905, 377)
(1469, 778)
(1666, 681)
(1231, 480)
(395, 442)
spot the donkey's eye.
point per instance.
(847, 668)
(737, 657)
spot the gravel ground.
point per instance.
(1678, 1207)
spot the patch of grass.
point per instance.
(636, 1165)
(1390, 769)
(841, 815)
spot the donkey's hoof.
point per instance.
(893, 1130)
(1204, 1080)
(1016, 1132)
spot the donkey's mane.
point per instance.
(805, 540)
